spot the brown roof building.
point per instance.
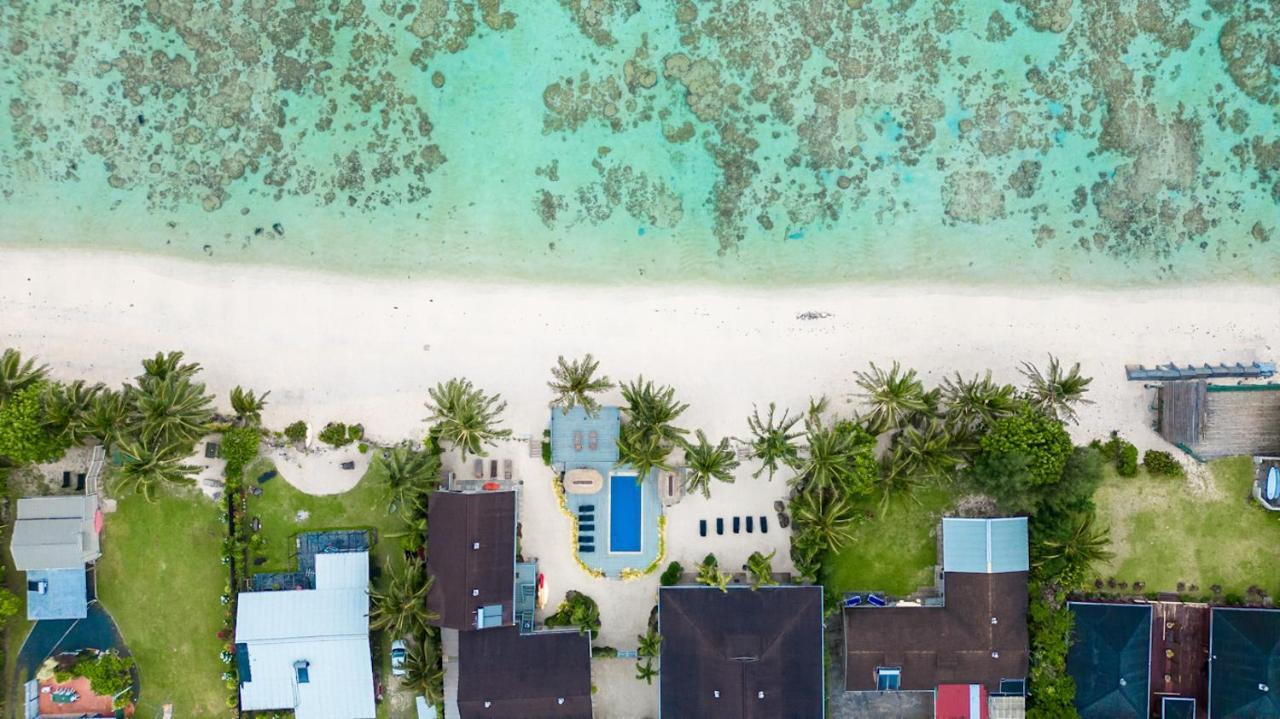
(507, 675)
(741, 653)
(977, 636)
(471, 555)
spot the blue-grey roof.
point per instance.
(1110, 660)
(984, 546)
(606, 424)
(66, 594)
(1244, 663)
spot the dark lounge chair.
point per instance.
(478, 467)
(702, 527)
(737, 525)
(586, 517)
(751, 522)
(348, 465)
(586, 527)
(719, 525)
(493, 469)
(586, 548)
(853, 601)
(875, 601)
(764, 524)
(587, 508)
(80, 482)
(66, 480)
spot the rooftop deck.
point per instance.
(1180, 654)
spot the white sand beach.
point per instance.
(338, 348)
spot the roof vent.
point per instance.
(475, 592)
(488, 704)
(717, 693)
(559, 700)
(475, 545)
(759, 695)
(1263, 687)
(1124, 682)
(995, 621)
(995, 655)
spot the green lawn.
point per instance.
(894, 553)
(1163, 532)
(160, 576)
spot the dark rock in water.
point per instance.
(142, 120)
(257, 231)
(278, 228)
(208, 250)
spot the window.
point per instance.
(301, 669)
(888, 679)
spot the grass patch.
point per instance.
(1164, 533)
(160, 576)
(894, 553)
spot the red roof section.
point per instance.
(954, 701)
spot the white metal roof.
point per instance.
(342, 570)
(55, 532)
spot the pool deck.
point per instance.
(610, 563)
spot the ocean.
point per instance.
(756, 142)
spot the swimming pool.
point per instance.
(624, 514)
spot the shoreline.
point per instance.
(335, 347)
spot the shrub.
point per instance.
(671, 574)
(336, 434)
(240, 447)
(108, 673)
(8, 605)
(605, 652)
(1162, 464)
(296, 432)
(363, 448)
(354, 432)
(1127, 460)
(577, 610)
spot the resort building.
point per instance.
(1244, 664)
(1110, 660)
(1219, 420)
(616, 513)
(54, 538)
(509, 675)
(497, 664)
(963, 654)
(741, 653)
(307, 650)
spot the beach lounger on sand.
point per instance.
(493, 469)
(577, 441)
(66, 480)
(506, 469)
(719, 525)
(736, 525)
(592, 440)
(478, 467)
(211, 450)
(702, 527)
(750, 524)
(348, 465)
(764, 524)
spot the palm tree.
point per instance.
(706, 461)
(976, 404)
(651, 411)
(1084, 545)
(165, 366)
(70, 405)
(172, 410)
(644, 453)
(410, 476)
(646, 671)
(146, 467)
(575, 382)
(106, 416)
(248, 406)
(465, 416)
(829, 462)
(16, 375)
(829, 518)
(1054, 392)
(401, 608)
(709, 574)
(649, 643)
(423, 670)
(773, 441)
(926, 452)
(761, 568)
(894, 397)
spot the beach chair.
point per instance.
(719, 525)
(702, 527)
(737, 527)
(750, 525)
(478, 467)
(587, 508)
(493, 469)
(586, 527)
(348, 465)
(875, 601)
(588, 517)
(586, 549)
(212, 450)
(764, 524)
(593, 440)
(66, 480)
(577, 441)
(506, 469)
(853, 601)
(80, 481)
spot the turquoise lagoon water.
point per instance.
(762, 142)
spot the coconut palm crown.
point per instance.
(465, 416)
(575, 382)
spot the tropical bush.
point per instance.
(240, 447)
(465, 416)
(577, 610)
(28, 432)
(671, 575)
(296, 432)
(709, 574)
(1162, 464)
(773, 440)
(336, 434)
(1127, 461)
(9, 604)
(107, 672)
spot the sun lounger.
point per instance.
(586, 527)
(80, 482)
(593, 440)
(586, 548)
(588, 517)
(702, 527)
(853, 601)
(736, 525)
(66, 480)
(493, 469)
(587, 508)
(750, 524)
(211, 450)
(349, 465)
(577, 441)
(478, 466)
(719, 525)
(506, 469)
(764, 524)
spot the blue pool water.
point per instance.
(624, 514)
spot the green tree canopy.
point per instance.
(146, 467)
(400, 608)
(30, 430)
(895, 397)
(577, 610)
(761, 568)
(840, 457)
(17, 374)
(575, 383)
(465, 416)
(705, 461)
(1022, 454)
(773, 440)
(652, 411)
(247, 405)
(1054, 391)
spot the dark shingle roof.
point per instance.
(458, 523)
(761, 650)
(1244, 649)
(953, 644)
(545, 674)
(1110, 658)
